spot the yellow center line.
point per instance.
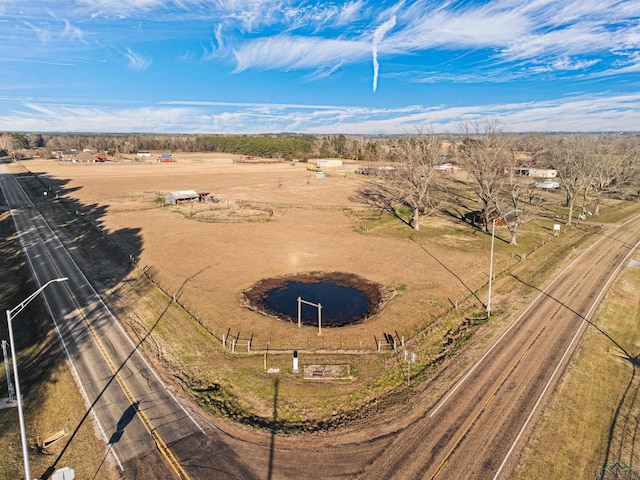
(489, 400)
(160, 443)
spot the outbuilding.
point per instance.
(547, 184)
(447, 168)
(537, 172)
(174, 198)
(329, 163)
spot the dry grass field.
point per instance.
(317, 225)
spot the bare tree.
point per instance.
(628, 148)
(514, 202)
(414, 181)
(418, 159)
(571, 156)
(12, 142)
(534, 144)
(485, 156)
(613, 169)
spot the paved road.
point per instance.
(136, 412)
(479, 427)
(475, 429)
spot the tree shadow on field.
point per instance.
(83, 225)
(625, 427)
(455, 275)
(105, 261)
(380, 197)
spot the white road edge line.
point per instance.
(575, 337)
(137, 350)
(504, 334)
(74, 371)
(4, 171)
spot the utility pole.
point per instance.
(493, 236)
(12, 397)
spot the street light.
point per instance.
(493, 237)
(10, 315)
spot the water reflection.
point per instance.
(340, 305)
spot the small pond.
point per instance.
(345, 298)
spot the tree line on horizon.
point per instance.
(590, 167)
(284, 146)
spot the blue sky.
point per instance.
(361, 67)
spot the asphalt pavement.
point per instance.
(134, 409)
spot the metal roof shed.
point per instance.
(174, 198)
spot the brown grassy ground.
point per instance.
(317, 225)
(314, 228)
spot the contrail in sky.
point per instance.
(378, 35)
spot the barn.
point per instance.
(329, 163)
(174, 198)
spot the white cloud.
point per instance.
(43, 33)
(378, 35)
(570, 41)
(136, 61)
(628, 64)
(350, 12)
(576, 113)
(566, 63)
(422, 26)
(287, 52)
(422, 41)
(120, 8)
(323, 72)
(72, 32)
(290, 34)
